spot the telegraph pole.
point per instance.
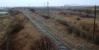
(94, 23)
(48, 9)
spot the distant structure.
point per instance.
(31, 9)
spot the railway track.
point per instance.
(46, 31)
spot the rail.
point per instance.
(44, 29)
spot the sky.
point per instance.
(18, 3)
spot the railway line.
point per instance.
(45, 30)
(40, 24)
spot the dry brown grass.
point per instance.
(85, 24)
(76, 42)
(88, 26)
(5, 23)
(29, 38)
(25, 38)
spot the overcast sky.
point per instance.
(16, 3)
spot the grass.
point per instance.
(85, 25)
(25, 36)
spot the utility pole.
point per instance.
(94, 23)
(48, 9)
